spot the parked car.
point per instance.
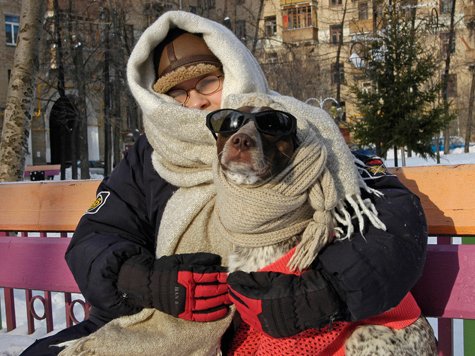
(454, 142)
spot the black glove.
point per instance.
(283, 305)
(187, 286)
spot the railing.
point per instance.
(38, 294)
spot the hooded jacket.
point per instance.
(369, 273)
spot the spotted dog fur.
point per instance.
(416, 339)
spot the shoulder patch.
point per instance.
(98, 203)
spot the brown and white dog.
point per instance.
(249, 156)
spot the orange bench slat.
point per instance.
(447, 194)
(46, 205)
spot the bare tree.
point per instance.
(468, 127)
(445, 78)
(338, 66)
(14, 142)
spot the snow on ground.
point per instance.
(12, 343)
(455, 157)
(15, 341)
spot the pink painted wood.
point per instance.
(10, 309)
(447, 288)
(35, 263)
(445, 327)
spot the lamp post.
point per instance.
(321, 103)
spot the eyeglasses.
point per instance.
(271, 122)
(205, 86)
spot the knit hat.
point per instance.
(182, 56)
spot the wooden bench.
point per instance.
(42, 172)
(42, 209)
(446, 291)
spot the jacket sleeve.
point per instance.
(372, 272)
(120, 225)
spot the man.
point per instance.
(143, 251)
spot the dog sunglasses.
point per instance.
(270, 122)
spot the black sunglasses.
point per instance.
(271, 122)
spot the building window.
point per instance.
(445, 6)
(297, 17)
(271, 57)
(451, 85)
(241, 29)
(362, 11)
(335, 2)
(12, 25)
(206, 4)
(335, 34)
(335, 73)
(270, 26)
(444, 44)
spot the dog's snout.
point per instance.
(242, 141)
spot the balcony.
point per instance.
(300, 34)
(294, 2)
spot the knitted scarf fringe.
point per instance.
(301, 200)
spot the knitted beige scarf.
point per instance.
(299, 201)
(183, 154)
(185, 228)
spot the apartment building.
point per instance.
(296, 41)
(309, 32)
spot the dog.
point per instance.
(252, 154)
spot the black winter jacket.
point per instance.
(370, 273)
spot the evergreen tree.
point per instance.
(402, 109)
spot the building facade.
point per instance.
(318, 33)
(312, 50)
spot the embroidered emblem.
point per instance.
(376, 167)
(98, 203)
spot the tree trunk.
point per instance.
(256, 33)
(468, 129)
(395, 157)
(337, 60)
(116, 114)
(17, 120)
(445, 82)
(105, 17)
(81, 111)
(61, 87)
(403, 157)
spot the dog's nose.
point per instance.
(242, 141)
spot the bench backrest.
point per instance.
(46, 205)
(38, 263)
(447, 287)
